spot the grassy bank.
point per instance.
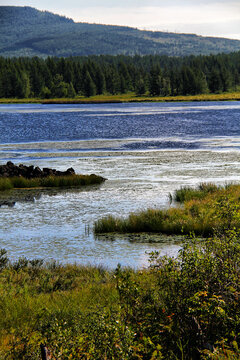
(50, 181)
(125, 98)
(183, 308)
(199, 213)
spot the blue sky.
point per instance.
(203, 17)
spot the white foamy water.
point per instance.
(141, 172)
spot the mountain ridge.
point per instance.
(26, 31)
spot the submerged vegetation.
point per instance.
(17, 182)
(183, 308)
(198, 214)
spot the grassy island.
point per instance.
(50, 181)
(198, 213)
(21, 177)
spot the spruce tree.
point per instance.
(89, 87)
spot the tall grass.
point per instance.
(199, 214)
(188, 193)
(182, 308)
(130, 97)
(50, 181)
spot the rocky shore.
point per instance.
(30, 172)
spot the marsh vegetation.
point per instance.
(50, 181)
(198, 214)
(182, 308)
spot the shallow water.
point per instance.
(144, 150)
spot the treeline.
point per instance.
(95, 75)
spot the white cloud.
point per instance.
(202, 18)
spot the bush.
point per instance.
(182, 308)
(193, 302)
(186, 307)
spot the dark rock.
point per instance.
(37, 172)
(7, 203)
(70, 171)
(10, 170)
(10, 164)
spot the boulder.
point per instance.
(11, 170)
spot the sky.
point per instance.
(203, 17)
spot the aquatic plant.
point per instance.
(188, 193)
(199, 214)
(50, 181)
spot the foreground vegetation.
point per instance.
(183, 308)
(20, 182)
(199, 213)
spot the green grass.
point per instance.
(188, 193)
(182, 308)
(130, 97)
(198, 214)
(50, 181)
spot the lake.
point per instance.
(145, 150)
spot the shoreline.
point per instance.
(126, 98)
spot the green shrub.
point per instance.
(186, 307)
(182, 308)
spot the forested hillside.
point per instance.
(26, 31)
(154, 75)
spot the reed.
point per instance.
(188, 193)
(199, 214)
(50, 181)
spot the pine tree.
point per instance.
(36, 80)
(23, 87)
(155, 80)
(89, 87)
(215, 81)
(59, 87)
(71, 93)
(140, 87)
(100, 82)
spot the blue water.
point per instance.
(159, 122)
(146, 151)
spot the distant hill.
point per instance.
(26, 31)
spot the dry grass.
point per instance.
(125, 98)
